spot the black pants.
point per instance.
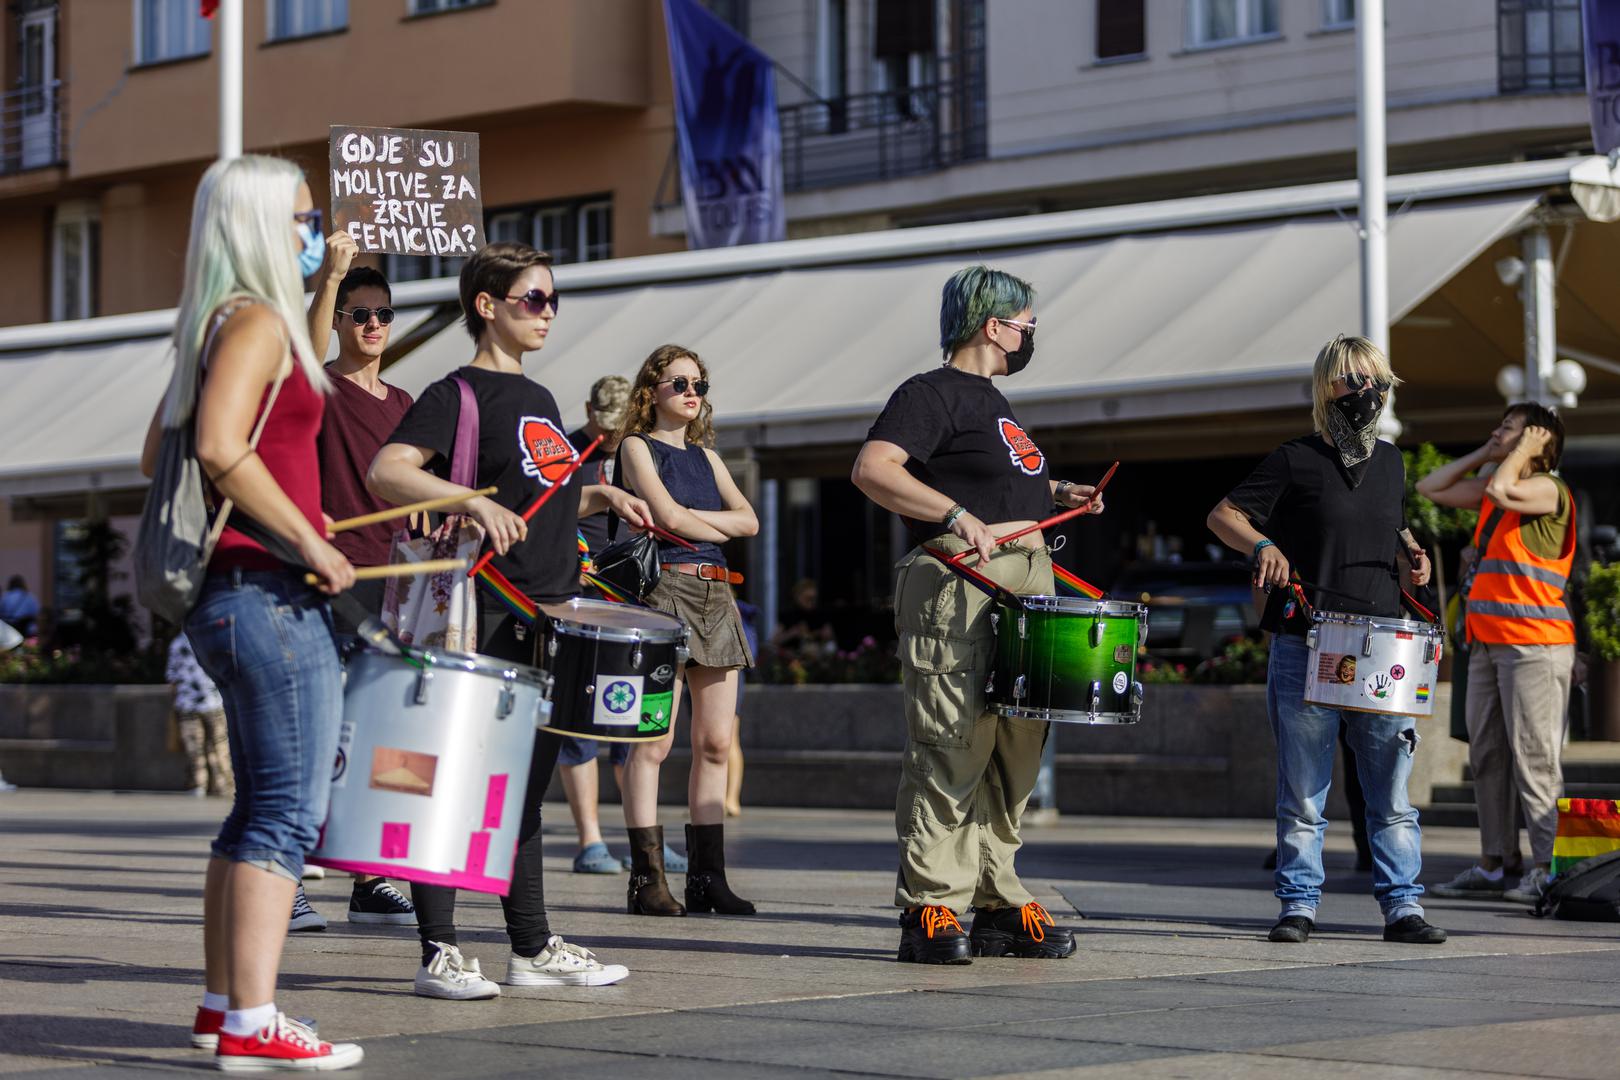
(505, 637)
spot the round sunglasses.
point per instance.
(535, 301)
(680, 382)
(1355, 380)
(362, 315)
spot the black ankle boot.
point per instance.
(649, 892)
(706, 888)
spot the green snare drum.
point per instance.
(1068, 659)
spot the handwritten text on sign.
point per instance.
(404, 191)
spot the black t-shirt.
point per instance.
(1340, 538)
(965, 442)
(598, 469)
(522, 449)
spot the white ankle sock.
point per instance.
(248, 1021)
(1491, 875)
(216, 1002)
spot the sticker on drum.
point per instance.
(1122, 655)
(656, 713)
(1331, 668)
(1379, 686)
(618, 705)
(409, 772)
(1120, 682)
(1397, 673)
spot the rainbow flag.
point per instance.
(1076, 583)
(1586, 828)
(585, 563)
(507, 593)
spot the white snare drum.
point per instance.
(1373, 663)
(432, 764)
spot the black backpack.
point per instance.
(1589, 892)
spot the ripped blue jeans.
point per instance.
(1307, 736)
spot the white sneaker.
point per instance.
(453, 977)
(562, 964)
(1531, 886)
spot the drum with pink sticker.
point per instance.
(1373, 663)
(432, 763)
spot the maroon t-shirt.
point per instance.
(357, 424)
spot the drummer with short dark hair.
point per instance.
(508, 301)
(949, 455)
(1331, 506)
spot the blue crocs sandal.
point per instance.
(596, 859)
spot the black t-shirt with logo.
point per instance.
(1341, 538)
(522, 450)
(965, 442)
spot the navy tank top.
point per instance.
(689, 479)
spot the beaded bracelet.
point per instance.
(1259, 547)
(953, 513)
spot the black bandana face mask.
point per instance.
(1018, 359)
(1352, 421)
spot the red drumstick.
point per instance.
(1055, 519)
(667, 535)
(540, 501)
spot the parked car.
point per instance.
(1194, 608)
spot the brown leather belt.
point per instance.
(706, 571)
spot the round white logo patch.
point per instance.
(1120, 682)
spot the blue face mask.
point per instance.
(309, 259)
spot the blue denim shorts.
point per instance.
(579, 751)
(265, 638)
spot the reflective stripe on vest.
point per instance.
(1518, 611)
(1519, 569)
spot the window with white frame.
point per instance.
(1222, 22)
(428, 7)
(169, 30)
(301, 18)
(75, 257)
(1338, 14)
(576, 230)
(398, 268)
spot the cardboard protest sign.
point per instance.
(407, 191)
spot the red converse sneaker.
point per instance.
(283, 1044)
(205, 1029)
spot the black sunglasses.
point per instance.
(1355, 380)
(535, 301)
(362, 315)
(680, 382)
(311, 217)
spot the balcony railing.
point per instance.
(31, 128)
(883, 135)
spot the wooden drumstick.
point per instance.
(366, 573)
(391, 514)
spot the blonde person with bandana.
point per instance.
(1328, 508)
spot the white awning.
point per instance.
(74, 417)
(1163, 324)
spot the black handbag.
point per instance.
(630, 565)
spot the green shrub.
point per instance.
(1603, 611)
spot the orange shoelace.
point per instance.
(940, 918)
(1032, 915)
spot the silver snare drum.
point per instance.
(432, 764)
(1373, 663)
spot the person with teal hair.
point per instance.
(949, 455)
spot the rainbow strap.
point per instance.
(585, 563)
(1076, 583)
(610, 592)
(508, 594)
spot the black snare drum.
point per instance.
(613, 669)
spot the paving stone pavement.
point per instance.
(100, 965)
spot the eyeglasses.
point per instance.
(1017, 325)
(680, 382)
(362, 315)
(535, 301)
(1355, 380)
(310, 217)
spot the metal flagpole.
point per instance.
(229, 24)
(1371, 169)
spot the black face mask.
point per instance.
(1353, 423)
(1018, 359)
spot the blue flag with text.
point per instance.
(1601, 26)
(727, 129)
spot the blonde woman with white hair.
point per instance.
(1328, 508)
(242, 350)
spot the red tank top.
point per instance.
(287, 448)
